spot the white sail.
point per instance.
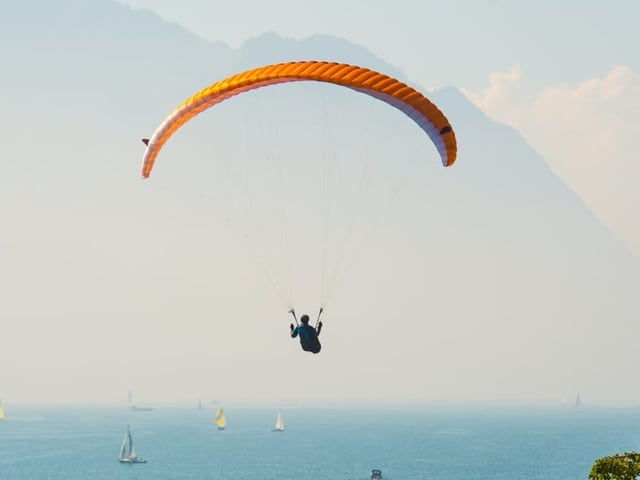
(125, 450)
(279, 423)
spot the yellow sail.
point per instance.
(1, 411)
(219, 420)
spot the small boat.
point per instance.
(578, 402)
(219, 419)
(128, 451)
(134, 407)
(1, 411)
(376, 474)
(279, 424)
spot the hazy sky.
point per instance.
(468, 283)
(565, 74)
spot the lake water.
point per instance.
(435, 443)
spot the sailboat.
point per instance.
(578, 402)
(1, 411)
(279, 424)
(128, 451)
(135, 407)
(219, 419)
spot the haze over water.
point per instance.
(331, 443)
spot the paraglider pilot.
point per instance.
(308, 335)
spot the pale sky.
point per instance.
(110, 282)
(521, 62)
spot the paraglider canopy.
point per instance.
(388, 89)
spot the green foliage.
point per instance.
(622, 466)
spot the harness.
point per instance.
(293, 312)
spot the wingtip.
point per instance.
(145, 141)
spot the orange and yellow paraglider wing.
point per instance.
(406, 99)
